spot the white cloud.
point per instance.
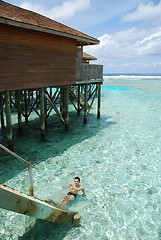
(69, 8)
(32, 7)
(127, 44)
(150, 45)
(64, 11)
(145, 12)
(129, 34)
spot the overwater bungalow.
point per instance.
(41, 60)
(87, 58)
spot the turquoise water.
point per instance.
(118, 159)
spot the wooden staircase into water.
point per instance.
(15, 201)
(12, 200)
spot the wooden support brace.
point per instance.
(54, 106)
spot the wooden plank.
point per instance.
(15, 201)
(35, 59)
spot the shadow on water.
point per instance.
(31, 148)
(47, 230)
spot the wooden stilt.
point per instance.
(65, 106)
(2, 120)
(42, 114)
(25, 100)
(51, 92)
(45, 107)
(11, 92)
(79, 97)
(37, 102)
(8, 121)
(1, 111)
(99, 100)
(18, 103)
(85, 104)
(61, 99)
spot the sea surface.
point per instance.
(118, 159)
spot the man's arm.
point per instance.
(83, 190)
(67, 186)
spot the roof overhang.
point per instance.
(79, 39)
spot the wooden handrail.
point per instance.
(29, 165)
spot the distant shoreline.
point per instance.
(131, 74)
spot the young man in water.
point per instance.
(75, 188)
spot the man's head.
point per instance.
(76, 180)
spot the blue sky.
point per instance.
(129, 31)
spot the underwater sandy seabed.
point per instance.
(118, 159)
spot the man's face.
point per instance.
(76, 182)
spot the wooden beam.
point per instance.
(2, 119)
(85, 103)
(89, 81)
(42, 114)
(99, 100)
(18, 104)
(65, 106)
(25, 101)
(79, 96)
(8, 121)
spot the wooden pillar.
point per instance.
(61, 99)
(1, 111)
(37, 102)
(65, 106)
(79, 97)
(2, 119)
(8, 121)
(11, 92)
(18, 103)
(45, 106)
(99, 100)
(25, 100)
(42, 114)
(51, 92)
(85, 104)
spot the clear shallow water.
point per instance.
(117, 157)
